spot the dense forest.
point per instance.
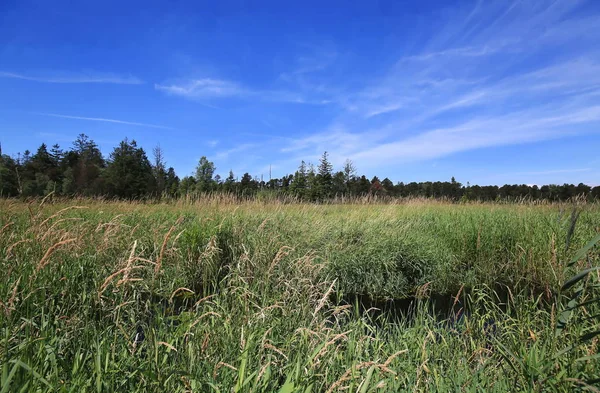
(129, 173)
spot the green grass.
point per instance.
(254, 298)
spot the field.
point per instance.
(269, 297)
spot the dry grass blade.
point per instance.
(323, 300)
(10, 305)
(167, 345)
(58, 213)
(6, 226)
(203, 300)
(110, 278)
(50, 229)
(12, 246)
(584, 385)
(282, 253)
(457, 296)
(222, 364)
(394, 356)
(262, 371)
(347, 375)
(46, 258)
(45, 198)
(182, 289)
(164, 246)
(211, 313)
(330, 342)
(130, 260)
(275, 349)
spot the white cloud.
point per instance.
(553, 172)
(203, 88)
(225, 154)
(130, 123)
(489, 82)
(213, 89)
(84, 77)
(319, 59)
(397, 143)
(502, 73)
(461, 52)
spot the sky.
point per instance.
(490, 92)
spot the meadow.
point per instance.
(263, 296)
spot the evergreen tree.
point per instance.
(159, 170)
(339, 186)
(388, 186)
(9, 182)
(46, 171)
(325, 176)
(299, 182)
(171, 182)
(187, 185)
(82, 171)
(87, 163)
(56, 154)
(229, 183)
(349, 172)
(313, 185)
(204, 175)
(129, 173)
(363, 185)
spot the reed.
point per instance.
(272, 295)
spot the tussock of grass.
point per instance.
(241, 297)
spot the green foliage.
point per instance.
(255, 297)
(82, 171)
(9, 180)
(129, 173)
(204, 175)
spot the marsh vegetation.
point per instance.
(213, 295)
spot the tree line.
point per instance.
(128, 173)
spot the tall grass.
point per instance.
(257, 297)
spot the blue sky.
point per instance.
(490, 92)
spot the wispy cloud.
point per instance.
(130, 123)
(474, 134)
(203, 88)
(319, 58)
(489, 82)
(552, 172)
(84, 77)
(218, 89)
(224, 154)
(460, 52)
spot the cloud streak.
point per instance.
(75, 78)
(553, 172)
(203, 88)
(486, 83)
(105, 120)
(219, 89)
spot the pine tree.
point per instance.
(349, 171)
(9, 182)
(87, 163)
(204, 175)
(129, 172)
(325, 177)
(187, 185)
(298, 186)
(171, 182)
(229, 182)
(158, 170)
